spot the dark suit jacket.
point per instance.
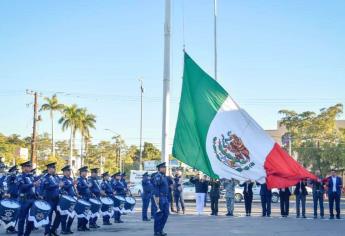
(248, 189)
(339, 185)
(286, 192)
(301, 186)
(264, 190)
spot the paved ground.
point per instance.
(190, 224)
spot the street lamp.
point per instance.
(118, 151)
(141, 123)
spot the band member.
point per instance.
(335, 185)
(51, 190)
(26, 198)
(83, 187)
(106, 187)
(284, 195)
(12, 191)
(161, 191)
(124, 182)
(2, 179)
(96, 192)
(119, 189)
(147, 196)
(248, 196)
(68, 189)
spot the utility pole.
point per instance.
(141, 125)
(215, 39)
(166, 85)
(33, 153)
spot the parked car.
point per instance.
(256, 194)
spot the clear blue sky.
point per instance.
(272, 55)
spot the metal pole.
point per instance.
(215, 39)
(33, 140)
(166, 84)
(141, 125)
(290, 146)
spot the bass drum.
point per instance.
(66, 205)
(39, 213)
(82, 209)
(129, 204)
(119, 202)
(9, 212)
(107, 206)
(95, 206)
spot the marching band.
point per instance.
(28, 201)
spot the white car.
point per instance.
(239, 197)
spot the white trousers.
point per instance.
(200, 202)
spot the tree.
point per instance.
(52, 105)
(150, 152)
(71, 120)
(315, 137)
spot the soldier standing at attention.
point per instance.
(51, 190)
(248, 196)
(26, 198)
(266, 200)
(83, 187)
(229, 186)
(178, 192)
(96, 192)
(146, 196)
(214, 195)
(68, 189)
(284, 196)
(161, 191)
(301, 196)
(106, 187)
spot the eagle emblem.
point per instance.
(231, 151)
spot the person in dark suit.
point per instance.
(318, 192)
(335, 185)
(214, 195)
(266, 199)
(248, 196)
(284, 195)
(301, 195)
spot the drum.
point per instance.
(95, 206)
(39, 213)
(82, 209)
(66, 205)
(129, 204)
(107, 206)
(119, 201)
(9, 212)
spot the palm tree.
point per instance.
(52, 104)
(71, 120)
(86, 122)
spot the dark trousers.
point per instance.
(318, 200)
(23, 214)
(266, 204)
(284, 204)
(93, 221)
(52, 228)
(146, 202)
(334, 197)
(82, 223)
(66, 223)
(117, 215)
(171, 200)
(214, 205)
(162, 215)
(178, 197)
(106, 219)
(248, 199)
(300, 198)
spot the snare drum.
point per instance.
(129, 204)
(39, 213)
(107, 206)
(66, 205)
(95, 206)
(82, 209)
(9, 212)
(119, 201)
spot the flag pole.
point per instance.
(166, 85)
(215, 39)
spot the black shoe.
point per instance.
(87, 229)
(64, 232)
(70, 232)
(268, 215)
(229, 214)
(331, 217)
(53, 233)
(315, 217)
(11, 231)
(338, 217)
(263, 215)
(212, 214)
(297, 216)
(107, 223)
(118, 221)
(146, 220)
(81, 229)
(304, 217)
(163, 233)
(157, 234)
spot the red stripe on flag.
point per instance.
(282, 170)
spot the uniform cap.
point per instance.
(13, 168)
(84, 168)
(161, 165)
(94, 170)
(51, 165)
(105, 174)
(66, 168)
(26, 164)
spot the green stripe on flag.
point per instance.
(200, 101)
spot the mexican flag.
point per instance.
(214, 135)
